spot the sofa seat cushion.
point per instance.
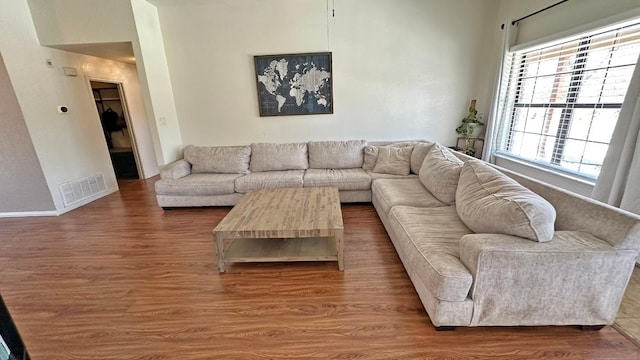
(270, 180)
(218, 159)
(343, 179)
(276, 157)
(406, 191)
(375, 176)
(198, 184)
(428, 240)
(336, 154)
(488, 201)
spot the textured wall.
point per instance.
(402, 69)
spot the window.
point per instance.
(562, 100)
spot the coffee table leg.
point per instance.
(220, 247)
(338, 236)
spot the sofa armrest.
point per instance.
(575, 279)
(176, 170)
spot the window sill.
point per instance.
(560, 179)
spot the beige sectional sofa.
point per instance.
(482, 246)
(219, 176)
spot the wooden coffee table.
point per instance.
(292, 224)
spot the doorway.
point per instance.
(116, 126)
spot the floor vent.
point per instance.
(76, 190)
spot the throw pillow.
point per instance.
(393, 160)
(370, 156)
(420, 151)
(488, 201)
(440, 172)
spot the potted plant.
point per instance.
(467, 128)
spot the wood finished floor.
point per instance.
(121, 279)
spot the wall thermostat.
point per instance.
(70, 71)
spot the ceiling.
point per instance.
(119, 51)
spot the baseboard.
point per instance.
(87, 200)
(61, 211)
(28, 213)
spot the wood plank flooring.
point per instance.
(121, 279)
(628, 319)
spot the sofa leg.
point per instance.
(445, 328)
(591, 327)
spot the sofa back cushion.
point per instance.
(393, 160)
(371, 153)
(488, 201)
(336, 154)
(440, 172)
(218, 159)
(420, 150)
(277, 157)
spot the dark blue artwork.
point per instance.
(294, 84)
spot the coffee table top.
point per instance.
(284, 213)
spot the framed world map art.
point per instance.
(294, 84)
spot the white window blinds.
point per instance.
(561, 100)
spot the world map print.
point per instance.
(297, 84)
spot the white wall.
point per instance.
(150, 55)
(65, 144)
(61, 22)
(22, 184)
(402, 69)
(69, 146)
(563, 17)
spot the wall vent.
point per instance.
(76, 190)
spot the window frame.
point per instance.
(516, 64)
